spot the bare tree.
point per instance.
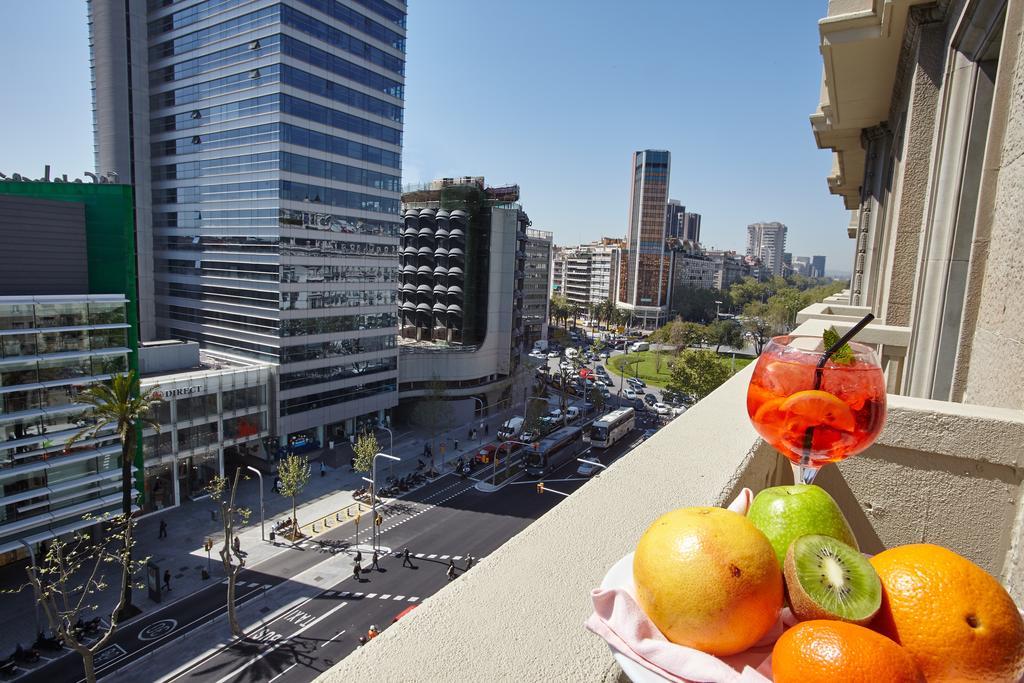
(230, 553)
(73, 573)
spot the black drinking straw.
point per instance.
(819, 371)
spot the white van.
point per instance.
(511, 429)
(571, 413)
(639, 346)
(571, 352)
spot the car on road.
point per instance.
(604, 392)
(555, 414)
(630, 394)
(572, 412)
(650, 400)
(636, 382)
(678, 410)
(553, 354)
(661, 408)
(587, 469)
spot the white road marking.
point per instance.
(399, 597)
(324, 644)
(279, 643)
(413, 599)
(371, 595)
(385, 597)
(283, 673)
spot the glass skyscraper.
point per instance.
(264, 141)
(644, 287)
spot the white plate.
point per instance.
(621, 576)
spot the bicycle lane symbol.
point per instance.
(158, 629)
(109, 654)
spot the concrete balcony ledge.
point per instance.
(940, 472)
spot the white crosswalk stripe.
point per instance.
(413, 599)
(399, 597)
(430, 557)
(443, 557)
(456, 557)
(419, 555)
(371, 595)
(385, 597)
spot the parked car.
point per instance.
(555, 414)
(572, 412)
(678, 410)
(650, 400)
(530, 435)
(630, 394)
(553, 354)
(637, 382)
(662, 409)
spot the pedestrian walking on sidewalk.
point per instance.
(359, 556)
(469, 562)
(451, 570)
(406, 562)
(163, 529)
(456, 446)
(356, 569)
(167, 580)
(374, 565)
(323, 470)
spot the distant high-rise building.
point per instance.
(675, 217)
(767, 241)
(644, 289)
(802, 265)
(690, 227)
(536, 285)
(817, 268)
(591, 272)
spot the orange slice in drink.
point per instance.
(814, 407)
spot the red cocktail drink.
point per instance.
(816, 416)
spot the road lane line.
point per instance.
(279, 643)
(283, 672)
(339, 633)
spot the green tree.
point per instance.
(366, 447)
(683, 335)
(727, 333)
(120, 403)
(697, 372)
(597, 399)
(233, 559)
(747, 291)
(783, 307)
(73, 572)
(758, 324)
(699, 305)
(293, 472)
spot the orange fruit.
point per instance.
(950, 614)
(837, 652)
(708, 579)
(814, 407)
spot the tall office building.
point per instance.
(690, 227)
(767, 241)
(264, 142)
(537, 285)
(644, 289)
(817, 267)
(675, 217)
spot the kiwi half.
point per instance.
(827, 579)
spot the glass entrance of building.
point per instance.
(195, 473)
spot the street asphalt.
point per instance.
(309, 608)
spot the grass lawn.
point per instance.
(643, 365)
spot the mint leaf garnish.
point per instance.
(844, 354)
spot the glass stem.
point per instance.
(804, 474)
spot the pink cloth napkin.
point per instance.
(618, 619)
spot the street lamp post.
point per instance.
(391, 449)
(373, 492)
(479, 435)
(259, 474)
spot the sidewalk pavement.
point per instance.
(192, 522)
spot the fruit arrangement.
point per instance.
(716, 581)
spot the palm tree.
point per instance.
(120, 403)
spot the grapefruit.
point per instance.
(708, 579)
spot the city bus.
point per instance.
(554, 450)
(611, 427)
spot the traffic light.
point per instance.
(379, 520)
(540, 487)
(208, 544)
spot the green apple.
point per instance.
(784, 513)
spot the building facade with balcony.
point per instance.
(462, 305)
(913, 93)
(767, 242)
(591, 272)
(264, 141)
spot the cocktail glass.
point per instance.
(816, 415)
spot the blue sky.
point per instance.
(552, 95)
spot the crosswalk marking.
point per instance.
(456, 557)
(385, 597)
(345, 594)
(430, 557)
(414, 599)
(371, 595)
(399, 597)
(419, 555)
(358, 595)
(443, 557)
